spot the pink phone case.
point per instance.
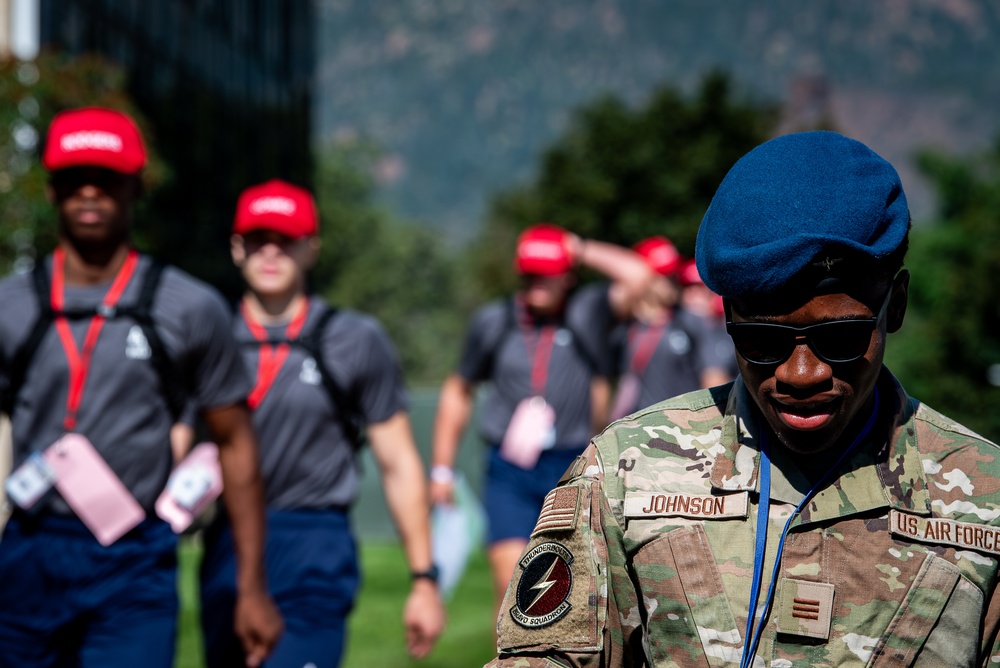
(204, 456)
(92, 489)
(528, 433)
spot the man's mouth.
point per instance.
(806, 416)
(88, 216)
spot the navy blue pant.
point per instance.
(312, 573)
(66, 600)
(514, 496)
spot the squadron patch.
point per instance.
(543, 590)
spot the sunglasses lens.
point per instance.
(761, 343)
(843, 341)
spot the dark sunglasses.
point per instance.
(73, 178)
(834, 342)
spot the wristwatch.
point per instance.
(431, 574)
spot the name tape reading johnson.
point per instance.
(695, 506)
(944, 531)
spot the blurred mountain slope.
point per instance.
(463, 95)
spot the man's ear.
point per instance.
(313, 244)
(898, 301)
(237, 249)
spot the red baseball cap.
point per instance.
(689, 273)
(661, 255)
(277, 206)
(544, 250)
(94, 136)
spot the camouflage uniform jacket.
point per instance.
(644, 553)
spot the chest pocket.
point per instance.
(688, 615)
(932, 625)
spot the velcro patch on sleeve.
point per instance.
(694, 506)
(558, 595)
(941, 531)
(559, 511)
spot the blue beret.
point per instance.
(791, 199)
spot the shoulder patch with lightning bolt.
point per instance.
(545, 585)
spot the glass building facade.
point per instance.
(227, 87)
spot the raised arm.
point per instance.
(629, 274)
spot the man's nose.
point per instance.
(803, 368)
(89, 190)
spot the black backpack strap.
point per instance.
(509, 325)
(141, 312)
(585, 354)
(171, 386)
(26, 352)
(313, 344)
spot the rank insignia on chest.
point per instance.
(805, 608)
(542, 595)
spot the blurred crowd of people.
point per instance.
(117, 365)
(561, 360)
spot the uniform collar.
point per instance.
(883, 473)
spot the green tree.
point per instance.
(951, 338)
(31, 93)
(621, 174)
(395, 270)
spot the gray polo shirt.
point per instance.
(123, 412)
(306, 459)
(497, 351)
(686, 349)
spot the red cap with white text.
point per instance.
(660, 254)
(544, 250)
(276, 206)
(94, 137)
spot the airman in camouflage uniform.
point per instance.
(886, 514)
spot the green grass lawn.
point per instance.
(376, 632)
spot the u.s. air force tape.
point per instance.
(941, 531)
(694, 506)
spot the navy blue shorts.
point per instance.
(66, 600)
(312, 573)
(514, 495)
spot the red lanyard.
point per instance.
(542, 353)
(271, 358)
(649, 338)
(79, 360)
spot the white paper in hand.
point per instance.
(456, 530)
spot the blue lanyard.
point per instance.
(752, 637)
